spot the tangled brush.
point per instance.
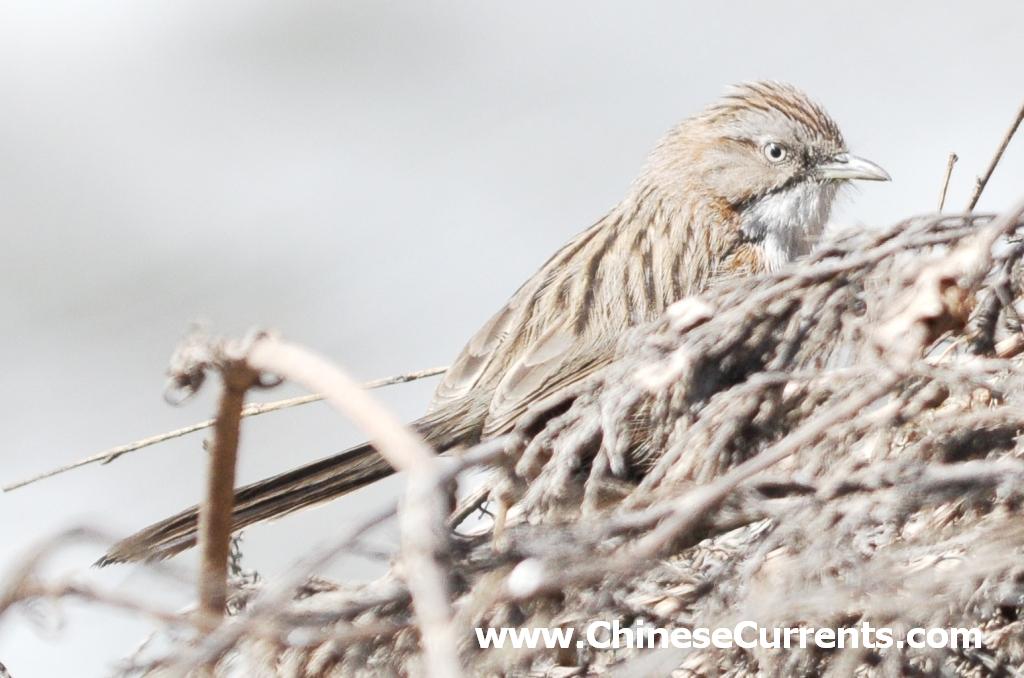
(833, 445)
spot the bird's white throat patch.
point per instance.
(789, 222)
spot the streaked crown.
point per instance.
(769, 98)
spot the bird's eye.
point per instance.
(774, 152)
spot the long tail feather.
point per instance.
(454, 424)
(276, 496)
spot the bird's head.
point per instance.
(770, 155)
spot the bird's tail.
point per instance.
(270, 498)
(454, 424)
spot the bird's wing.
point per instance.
(483, 355)
(509, 332)
(558, 359)
(514, 360)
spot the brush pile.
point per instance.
(832, 445)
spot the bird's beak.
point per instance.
(849, 166)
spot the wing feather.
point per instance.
(557, 360)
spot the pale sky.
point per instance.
(372, 179)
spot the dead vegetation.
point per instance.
(835, 444)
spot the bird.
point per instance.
(741, 188)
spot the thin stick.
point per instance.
(945, 183)
(215, 512)
(422, 519)
(402, 448)
(250, 410)
(983, 180)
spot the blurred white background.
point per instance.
(373, 179)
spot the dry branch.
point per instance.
(982, 181)
(215, 512)
(945, 181)
(424, 530)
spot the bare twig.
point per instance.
(250, 410)
(20, 577)
(402, 448)
(111, 599)
(982, 181)
(945, 182)
(1010, 346)
(424, 531)
(215, 512)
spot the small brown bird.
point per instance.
(742, 188)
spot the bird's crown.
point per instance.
(771, 99)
